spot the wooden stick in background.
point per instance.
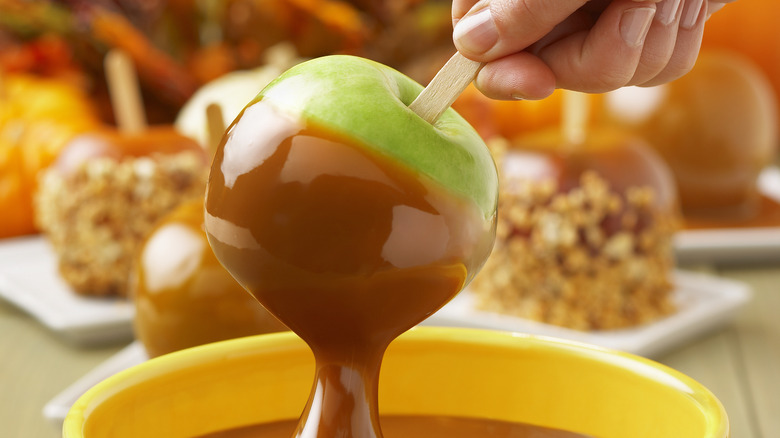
(125, 93)
(215, 124)
(574, 117)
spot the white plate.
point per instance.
(29, 279)
(734, 245)
(704, 303)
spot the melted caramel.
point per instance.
(346, 247)
(399, 426)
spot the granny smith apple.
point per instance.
(277, 193)
(284, 171)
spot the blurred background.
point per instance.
(93, 203)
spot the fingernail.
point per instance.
(690, 13)
(634, 24)
(666, 11)
(476, 33)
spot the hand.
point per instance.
(532, 47)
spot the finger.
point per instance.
(518, 76)
(660, 41)
(686, 49)
(607, 56)
(494, 29)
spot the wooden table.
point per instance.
(740, 363)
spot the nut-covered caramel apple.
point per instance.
(584, 232)
(350, 218)
(183, 297)
(715, 127)
(105, 192)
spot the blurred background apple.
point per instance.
(183, 296)
(715, 127)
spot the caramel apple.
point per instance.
(758, 32)
(105, 192)
(715, 127)
(584, 232)
(153, 142)
(351, 219)
(183, 297)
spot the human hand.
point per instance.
(532, 47)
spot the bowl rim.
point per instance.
(713, 410)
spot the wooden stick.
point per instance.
(215, 123)
(445, 87)
(576, 111)
(125, 92)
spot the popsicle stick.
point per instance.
(445, 87)
(576, 112)
(215, 123)
(124, 91)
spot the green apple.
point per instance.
(369, 102)
(327, 176)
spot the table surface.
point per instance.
(739, 363)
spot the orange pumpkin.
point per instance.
(749, 27)
(37, 117)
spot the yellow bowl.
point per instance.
(433, 371)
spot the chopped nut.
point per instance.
(620, 246)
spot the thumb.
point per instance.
(492, 29)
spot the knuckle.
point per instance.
(609, 80)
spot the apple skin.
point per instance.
(369, 102)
